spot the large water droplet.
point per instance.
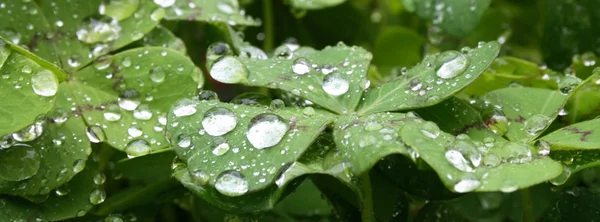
(199, 177)
(157, 74)
(232, 183)
(221, 149)
(430, 129)
(451, 64)
(277, 104)
(301, 66)
(27, 134)
(229, 69)
(142, 112)
(44, 83)
(252, 52)
(97, 196)
(118, 9)
(184, 107)
(216, 51)
(536, 123)
(466, 185)
(97, 29)
(458, 160)
(228, 6)
(266, 130)
(112, 113)
(219, 121)
(134, 131)
(19, 163)
(78, 165)
(567, 84)
(335, 85)
(165, 3)
(184, 141)
(95, 134)
(129, 100)
(6, 142)
(137, 148)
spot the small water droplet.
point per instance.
(466, 185)
(137, 148)
(74, 60)
(232, 183)
(308, 111)
(112, 113)
(207, 95)
(95, 29)
(184, 107)
(365, 83)
(95, 134)
(78, 165)
(216, 51)
(97, 196)
(229, 69)
(228, 6)
(219, 121)
(536, 123)
(252, 52)
(335, 85)
(157, 74)
(543, 148)
(134, 131)
(44, 83)
(184, 141)
(266, 130)
(301, 66)
(62, 191)
(142, 112)
(277, 104)
(430, 129)
(99, 178)
(118, 9)
(283, 52)
(200, 177)
(11, 35)
(451, 64)
(165, 3)
(221, 149)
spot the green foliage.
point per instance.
(408, 110)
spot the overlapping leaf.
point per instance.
(314, 4)
(457, 17)
(214, 11)
(437, 77)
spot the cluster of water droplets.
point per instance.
(28, 76)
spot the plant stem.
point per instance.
(268, 25)
(527, 205)
(367, 213)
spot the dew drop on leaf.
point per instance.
(491, 160)
(277, 104)
(134, 131)
(184, 107)
(301, 66)
(283, 52)
(27, 134)
(199, 177)
(218, 121)
(184, 141)
(509, 186)
(232, 183)
(228, 6)
(118, 9)
(44, 83)
(74, 60)
(308, 111)
(165, 3)
(543, 148)
(266, 130)
(98, 29)
(221, 149)
(78, 165)
(137, 148)
(229, 69)
(157, 74)
(129, 100)
(207, 95)
(466, 185)
(536, 123)
(97, 196)
(99, 178)
(457, 160)
(95, 134)
(19, 162)
(6, 142)
(451, 64)
(142, 112)
(335, 85)
(11, 35)
(157, 15)
(216, 51)
(112, 113)
(430, 129)
(253, 52)
(567, 84)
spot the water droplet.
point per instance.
(229, 69)
(95, 134)
(97, 196)
(134, 131)
(498, 123)
(44, 83)
(567, 84)
(451, 64)
(137, 148)
(216, 51)
(252, 52)
(6, 142)
(277, 104)
(200, 177)
(466, 185)
(430, 129)
(184, 107)
(112, 113)
(221, 149)
(491, 160)
(19, 163)
(232, 183)
(62, 191)
(99, 178)
(308, 111)
(509, 186)
(283, 52)
(157, 74)
(142, 112)
(536, 123)
(103, 63)
(301, 66)
(219, 121)
(184, 141)
(207, 95)
(365, 83)
(228, 6)
(118, 9)
(74, 60)
(165, 3)
(11, 35)
(543, 147)
(157, 15)
(78, 165)
(335, 85)
(95, 29)
(129, 100)
(458, 160)
(457, 151)
(251, 99)
(266, 130)
(27, 134)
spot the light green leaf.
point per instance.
(457, 17)
(332, 78)
(437, 77)
(397, 46)
(29, 85)
(213, 11)
(148, 168)
(314, 4)
(467, 165)
(59, 153)
(128, 95)
(66, 32)
(161, 36)
(239, 149)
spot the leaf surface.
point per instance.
(457, 17)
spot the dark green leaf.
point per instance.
(214, 11)
(575, 204)
(314, 4)
(161, 36)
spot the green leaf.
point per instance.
(332, 78)
(51, 31)
(306, 200)
(397, 46)
(530, 115)
(457, 17)
(468, 165)
(28, 87)
(213, 11)
(161, 36)
(59, 153)
(128, 95)
(584, 104)
(226, 143)
(314, 4)
(575, 204)
(437, 77)
(579, 136)
(148, 168)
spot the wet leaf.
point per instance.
(397, 46)
(437, 77)
(127, 96)
(149, 168)
(213, 11)
(314, 4)
(72, 34)
(28, 86)
(574, 204)
(457, 17)
(161, 36)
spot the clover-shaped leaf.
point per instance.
(214, 11)
(457, 17)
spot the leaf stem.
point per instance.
(268, 25)
(527, 205)
(366, 195)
